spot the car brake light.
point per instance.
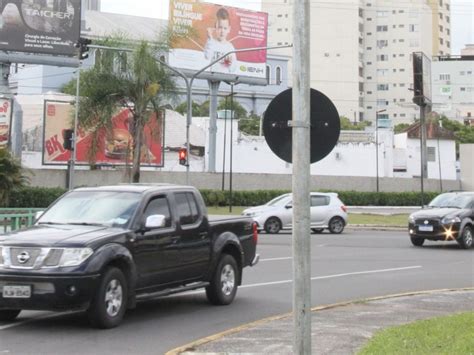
(344, 208)
(255, 233)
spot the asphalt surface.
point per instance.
(336, 329)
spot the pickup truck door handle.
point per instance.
(203, 235)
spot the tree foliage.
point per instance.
(11, 175)
(134, 80)
(348, 125)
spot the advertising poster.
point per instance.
(110, 147)
(214, 30)
(5, 122)
(40, 26)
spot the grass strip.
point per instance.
(442, 336)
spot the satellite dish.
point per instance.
(325, 125)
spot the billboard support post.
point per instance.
(214, 89)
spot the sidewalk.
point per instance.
(336, 329)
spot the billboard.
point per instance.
(107, 147)
(5, 122)
(40, 26)
(213, 30)
(421, 79)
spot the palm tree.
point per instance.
(135, 80)
(11, 175)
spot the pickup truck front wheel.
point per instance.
(109, 304)
(223, 285)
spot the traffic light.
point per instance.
(83, 45)
(183, 156)
(68, 135)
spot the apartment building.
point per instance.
(361, 50)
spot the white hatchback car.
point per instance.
(327, 212)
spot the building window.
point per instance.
(268, 74)
(414, 43)
(382, 43)
(440, 16)
(441, 41)
(431, 153)
(382, 103)
(413, 28)
(444, 77)
(382, 87)
(382, 13)
(448, 44)
(402, 69)
(441, 28)
(382, 72)
(278, 76)
(382, 57)
(401, 85)
(361, 12)
(383, 28)
(447, 19)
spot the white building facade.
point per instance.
(453, 87)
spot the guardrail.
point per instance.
(12, 219)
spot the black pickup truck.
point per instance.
(102, 249)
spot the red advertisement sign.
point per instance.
(107, 146)
(5, 121)
(216, 31)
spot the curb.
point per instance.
(192, 345)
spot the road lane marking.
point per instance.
(16, 324)
(277, 259)
(40, 317)
(335, 276)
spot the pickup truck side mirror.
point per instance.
(155, 221)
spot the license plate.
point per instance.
(425, 228)
(16, 291)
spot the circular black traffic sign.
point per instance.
(325, 125)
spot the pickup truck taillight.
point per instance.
(255, 233)
(344, 208)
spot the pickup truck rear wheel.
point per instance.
(223, 285)
(9, 314)
(109, 304)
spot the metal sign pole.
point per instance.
(75, 135)
(301, 178)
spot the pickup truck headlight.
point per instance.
(450, 220)
(74, 256)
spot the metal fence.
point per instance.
(12, 219)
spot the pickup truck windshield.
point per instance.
(111, 208)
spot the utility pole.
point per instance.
(377, 146)
(301, 178)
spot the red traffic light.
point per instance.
(183, 156)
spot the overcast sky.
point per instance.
(462, 14)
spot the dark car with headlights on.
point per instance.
(450, 216)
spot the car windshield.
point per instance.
(451, 200)
(279, 201)
(109, 208)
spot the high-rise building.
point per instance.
(91, 5)
(361, 50)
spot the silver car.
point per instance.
(327, 212)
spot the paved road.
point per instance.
(354, 265)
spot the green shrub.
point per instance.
(34, 197)
(37, 197)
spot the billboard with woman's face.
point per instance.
(211, 31)
(40, 26)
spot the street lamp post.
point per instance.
(377, 146)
